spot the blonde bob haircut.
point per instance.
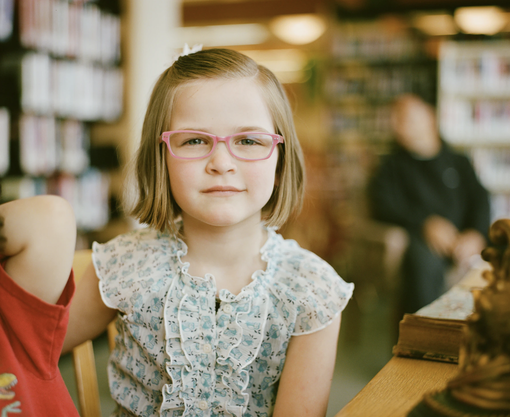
(153, 202)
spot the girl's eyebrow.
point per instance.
(251, 129)
(238, 130)
(196, 129)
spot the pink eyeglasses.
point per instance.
(246, 146)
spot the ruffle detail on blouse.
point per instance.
(311, 291)
(172, 393)
(238, 345)
(234, 343)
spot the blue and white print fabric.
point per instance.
(176, 355)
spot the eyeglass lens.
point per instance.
(242, 145)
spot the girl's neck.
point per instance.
(231, 254)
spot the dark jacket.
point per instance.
(406, 190)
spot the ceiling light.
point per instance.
(435, 24)
(222, 35)
(298, 29)
(484, 20)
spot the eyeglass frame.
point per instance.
(165, 138)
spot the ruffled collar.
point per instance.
(238, 339)
(259, 277)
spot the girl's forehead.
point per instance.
(218, 102)
(218, 84)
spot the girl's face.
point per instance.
(221, 190)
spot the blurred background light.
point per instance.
(298, 29)
(484, 20)
(440, 24)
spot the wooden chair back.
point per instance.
(83, 355)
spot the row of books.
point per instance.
(88, 194)
(372, 122)
(4, 140)
(474, 121)
(6, 19)
(487, 73)
(376, 83)
(69, 88)
(47, 145)
(373, 41)
(493, 167)
(65, 28)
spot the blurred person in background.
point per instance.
(433, 192)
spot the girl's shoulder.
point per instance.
(138, 239)
(135, 250)
(290, 259)
(306, 284)
(141, 261)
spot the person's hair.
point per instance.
(154, 204)
(402, 103)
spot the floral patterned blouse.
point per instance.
(177, 355)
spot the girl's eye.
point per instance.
(248, 141)
(195, 141)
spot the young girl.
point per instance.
(217, 314)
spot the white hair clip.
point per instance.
(187, 51)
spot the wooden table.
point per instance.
(398, 387)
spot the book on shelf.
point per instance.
(69, 29)
(436, 331)
(6, 19)
(4, 140)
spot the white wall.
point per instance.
(149, 29)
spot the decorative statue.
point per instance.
(482, 387)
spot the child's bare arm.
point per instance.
(38, 237)
(89, 316)
(306, 378)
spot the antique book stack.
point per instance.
(436, 331)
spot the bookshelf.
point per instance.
(60, 74)
(474, 110)
(372, 62)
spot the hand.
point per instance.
(440, 234)
(469, 243)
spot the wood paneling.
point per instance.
(196, 13)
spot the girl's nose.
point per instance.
(221, 161)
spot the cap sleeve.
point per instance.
(310, 291)
(125, 261)
(321, 296)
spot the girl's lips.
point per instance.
(221, 189)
